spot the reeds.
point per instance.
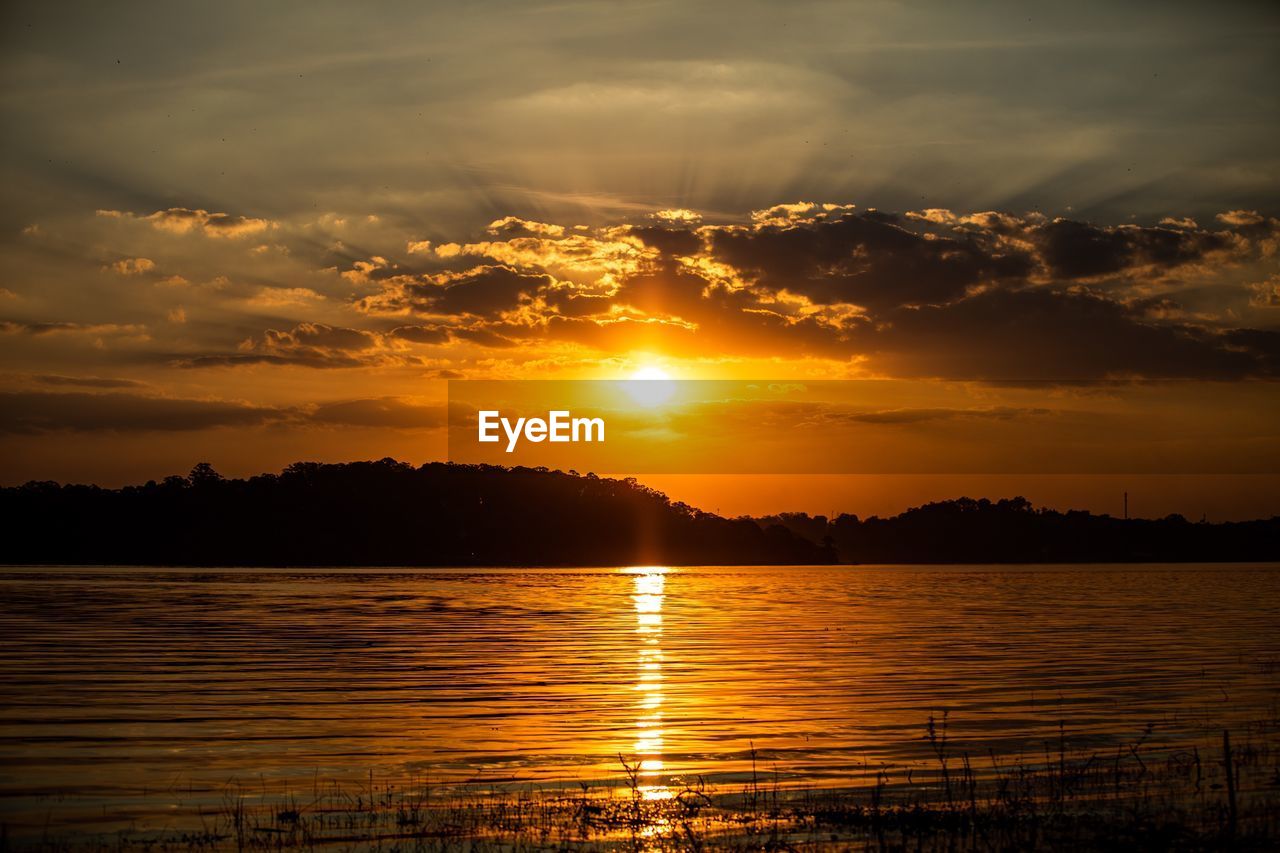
(1141, 796)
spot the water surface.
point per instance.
(137, 695)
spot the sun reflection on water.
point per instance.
(649, 585)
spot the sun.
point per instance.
(650, 386)
(650, 373)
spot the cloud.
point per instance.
(1046, 334)
(1070, 250)
(933, 292)
(368, 272)
(1266, 294)
(1241, 217)
(68, 328)
(196, 362)
(795, 213)
(916, 416)
(611, 251)
(512, 225)
(669, 241)
(133, 266)
(314, 345)
(484, 291)
(181, 220)
(869, 259)
(484, 337)
(381, 412)
(87, 381)
(276, 297)
(184, 220)
(678, 215)
(307, 336)
(33, 413)
(421, 334)
(1261, 344)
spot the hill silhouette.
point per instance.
(1013, 531)
(384, 513)
(390, 513)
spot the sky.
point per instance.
(255, 234)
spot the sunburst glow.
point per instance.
(650, 387)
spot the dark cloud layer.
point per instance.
(28, 413)
(925, 293)
(1079, 249)
(314, 345)
(84, 412)
(384, 412)
(868, 259)
(1050, 334)
(88, 381)
(922, 293)
(917, 416)
(484, 291)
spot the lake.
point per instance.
(135, 696)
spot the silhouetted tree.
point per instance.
(968, 530)
(204, 475)
(391, 513)
(382, 513)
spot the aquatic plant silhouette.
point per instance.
(1075, 801)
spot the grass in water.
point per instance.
(1209, 795)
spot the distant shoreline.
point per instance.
(392, 514)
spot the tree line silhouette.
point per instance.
(384, 513)
(1013, 531)
(390, 513)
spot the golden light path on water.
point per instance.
(650, 582)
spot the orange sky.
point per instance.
(268, 251)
